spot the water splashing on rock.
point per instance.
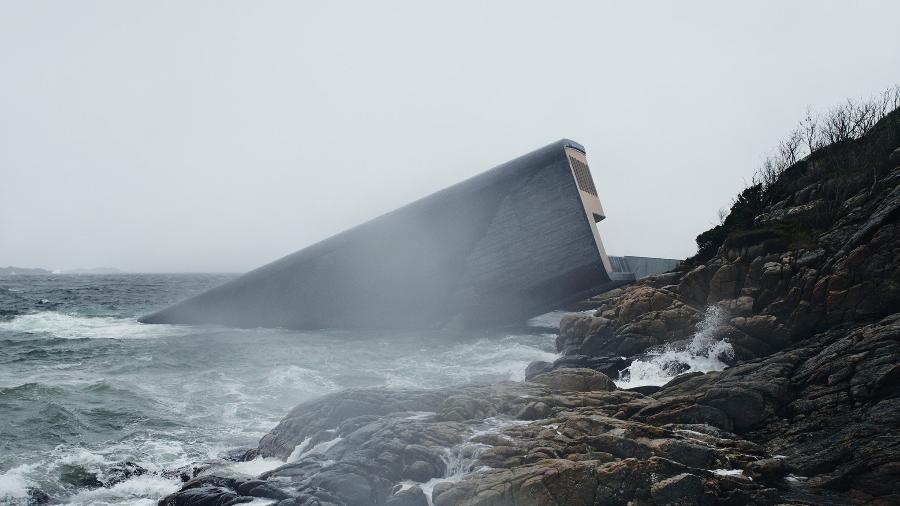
(704, 352)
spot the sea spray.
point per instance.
(463, 459)
(704, 352)
(87, 388)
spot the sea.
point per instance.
(85, 387)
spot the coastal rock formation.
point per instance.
(826, 252)
(828, 404)
(817, 421)
(558, 439)
(805, 287)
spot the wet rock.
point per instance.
(681, 378)
(534, 411)
(121, 472)
(537, 367)
(412, 496)
(724, 284)
(79, 476)
(184, 473)
(556, 481)
(261, 488)
(204, 496)
(828, 404)
(575, 380)
(608, 365)
(646, 390)
(557, 458)
(770, 471)
(682, 490)
(37, 497)
(241, 454)
(315, 418)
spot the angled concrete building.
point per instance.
(515, 241)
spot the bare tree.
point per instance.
(723, 213)
(847, 121)
(810, 131)
(837, 123)
(789, 150)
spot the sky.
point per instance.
(220, 135)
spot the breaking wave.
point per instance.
(66, 326)
(704, 352)
(85, 387)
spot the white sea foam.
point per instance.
(300, 377)
(553, 318)
(322, 447)
(550, 319)
(482, 360)
(703, 353)
(221, 403)
(14, 483)
(793, 478)
(257, 466)
(299, 450)
(68, 326)
(420, 415)
(140, 490)
(462, 459)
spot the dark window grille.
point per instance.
(583, 176)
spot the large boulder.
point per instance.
(575, 380)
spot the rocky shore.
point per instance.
(807, 413)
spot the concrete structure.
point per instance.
(641, 267)
(515, 241)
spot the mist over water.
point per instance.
(84, 386)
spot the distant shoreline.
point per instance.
(15, 271)
(25, 271)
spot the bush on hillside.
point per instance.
(817, 138)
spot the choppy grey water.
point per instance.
(84, 386)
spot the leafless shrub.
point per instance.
(810, 131)
(723, 213)
(850, 120)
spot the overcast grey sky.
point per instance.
(217, 136)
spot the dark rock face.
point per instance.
(37, 497)
(410, 497)
(558, 439)
(609, 366)
(829, 404)
(574, 380)
(824, 255)
(122, 472)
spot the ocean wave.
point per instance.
(67, 326)
(704, 352)
(14, 483)
(481, 361)
(30, 390)
(256, 466)
(300, 378)
(137, 491)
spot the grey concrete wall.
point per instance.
(642, 267)
(500, 247)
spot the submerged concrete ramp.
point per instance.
(513, 242)
(642, 267)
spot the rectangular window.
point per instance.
(583, 176)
